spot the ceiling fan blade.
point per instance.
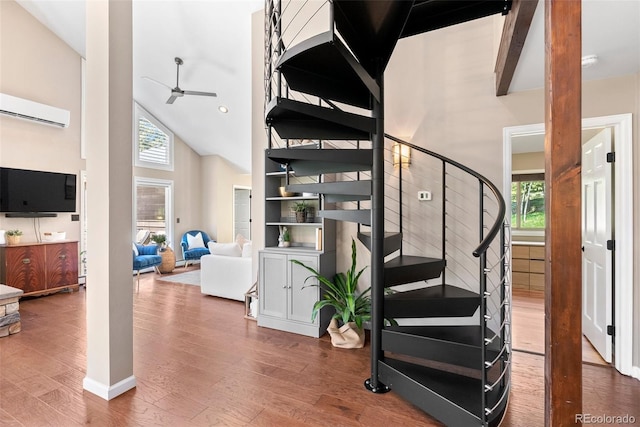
(156, 82)
(171, 99)
(193, 92)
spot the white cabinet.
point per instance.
(286, 301)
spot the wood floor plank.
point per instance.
(198, 362)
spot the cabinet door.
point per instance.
(273, 285)
(25, 268)
(62, 264)
(302, 295)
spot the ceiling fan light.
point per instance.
(223, 109)
(589, 61)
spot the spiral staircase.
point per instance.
(449, 291)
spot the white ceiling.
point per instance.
(610, 30)
(213, 39)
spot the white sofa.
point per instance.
(227, 276)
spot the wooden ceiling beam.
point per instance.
(514, 33)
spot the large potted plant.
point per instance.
(352, 308)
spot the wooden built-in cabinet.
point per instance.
(286, 296)
(285, 302)
(40, 268)
(528, 267)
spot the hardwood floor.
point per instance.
(198, 362)
(528, 327)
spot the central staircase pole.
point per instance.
(377, 239)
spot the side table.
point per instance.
(168, 260)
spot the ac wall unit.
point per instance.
(33, 111)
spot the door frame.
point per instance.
(167, 184)
(233, 211)
(623, 220)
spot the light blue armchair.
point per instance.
(192, 254)
(147, 257)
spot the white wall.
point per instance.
(36, 65)
(218, 177)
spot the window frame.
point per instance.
(139, 113)
(168, 186)
(519, 177)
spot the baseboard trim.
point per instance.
(635, 372)
(108, 392)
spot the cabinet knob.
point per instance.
(63, 256)
(284, 286)
(26, 261)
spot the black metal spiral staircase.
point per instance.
(329, 89)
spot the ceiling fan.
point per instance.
(176, 92)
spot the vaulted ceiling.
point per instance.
(214, 40)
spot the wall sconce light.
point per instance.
(401, 153)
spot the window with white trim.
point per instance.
(153, 142)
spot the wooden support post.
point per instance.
(563, 275)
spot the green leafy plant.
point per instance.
(299, 206)
(342, 294)
(286, 236)
(14, 233)
(159, 239)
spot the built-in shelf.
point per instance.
(293, 198)
(281, 173)
(293, 248)
(314, 224)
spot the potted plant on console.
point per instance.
(352, 309)
(13, 237)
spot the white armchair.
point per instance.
(226, 276)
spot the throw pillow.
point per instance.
(135, 250)
(225, 249)
(246, 249)
(195, 241)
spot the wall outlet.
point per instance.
(424, 195)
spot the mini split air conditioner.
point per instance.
(33, 111)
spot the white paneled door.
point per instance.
(242, 211)
(597, 259)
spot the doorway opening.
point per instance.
(620, 126)
(242, 211)
(152, 209)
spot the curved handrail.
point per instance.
(495, 228)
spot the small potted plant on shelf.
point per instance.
(160, 240)
(352, 308)
(300, 208)
(13, 237)
(284, 239)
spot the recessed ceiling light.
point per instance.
(589, 61)
(223, 109)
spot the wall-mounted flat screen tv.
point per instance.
(29, 191)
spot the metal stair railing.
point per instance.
(482, 266)
(491, 253)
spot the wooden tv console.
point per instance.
(40, 268)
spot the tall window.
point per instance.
(527, 202)
(153, 208)
(153, 142)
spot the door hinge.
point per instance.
(611, 330)
(611, 157)
(611, 244)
